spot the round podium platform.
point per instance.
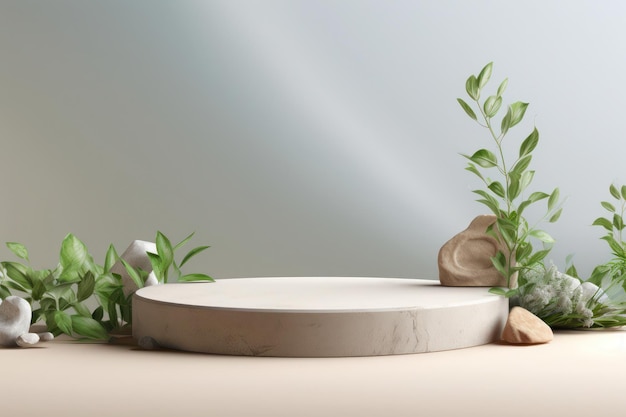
(317, 316)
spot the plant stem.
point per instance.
(498, 140)
(503, 170)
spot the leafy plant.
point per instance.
(61, 297)
(614, 226)
(58, 296)
(505, 196)
(564, 300)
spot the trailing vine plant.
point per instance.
(506, 195)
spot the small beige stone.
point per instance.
(465, 260)
(27, 340)
(524, 328)
(45, 336)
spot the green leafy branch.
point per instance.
(505, 196)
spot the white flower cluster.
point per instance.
(550, 294)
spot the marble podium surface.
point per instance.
(317, 316)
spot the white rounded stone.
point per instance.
(317, 316)
(15, 316)
(46, 336)
(27, 340)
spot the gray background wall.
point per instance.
(296, 137)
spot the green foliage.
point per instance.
(614, 225)
(506, 195)
(60, 297)
(164, 261)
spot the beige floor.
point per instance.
(578, 374)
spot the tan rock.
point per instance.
(524, 328)
(465, 260)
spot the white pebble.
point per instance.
(27, 340)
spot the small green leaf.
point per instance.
(555, 216)
(195, 277)
(73, 252)
(538, 256)
(88, 327)
(542, 236)
(498, 263)
(618, 222)
(616, 247)
(467, 109)
(605, 223)
(63, 321)
(614, 191)
(110, 258)
(491, 204)
(492, 105)
(471, 86)
(530, 143)
(484, 75)
(525, 180)
(98, 313)
(4, 292)
(484, 158)
(81, 309)
(506, 122)
(18, 249)
(554, 199)
(610, 207)
(184, 241)
(571, 271)
(514, 187)
(521, 165)
(497, 291)
(86, 286)
(511, 293)
(623, 192)
(157, 266)
(522, 252)
(497, 188)
(17, 287)
(533, 198)
(518, 109)
(164, 249)
(132, 273)
(472, 168)
(508, 231)
(502, 87)
(39, 289)
(19, 273)
(488, 201)
(538, 195)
